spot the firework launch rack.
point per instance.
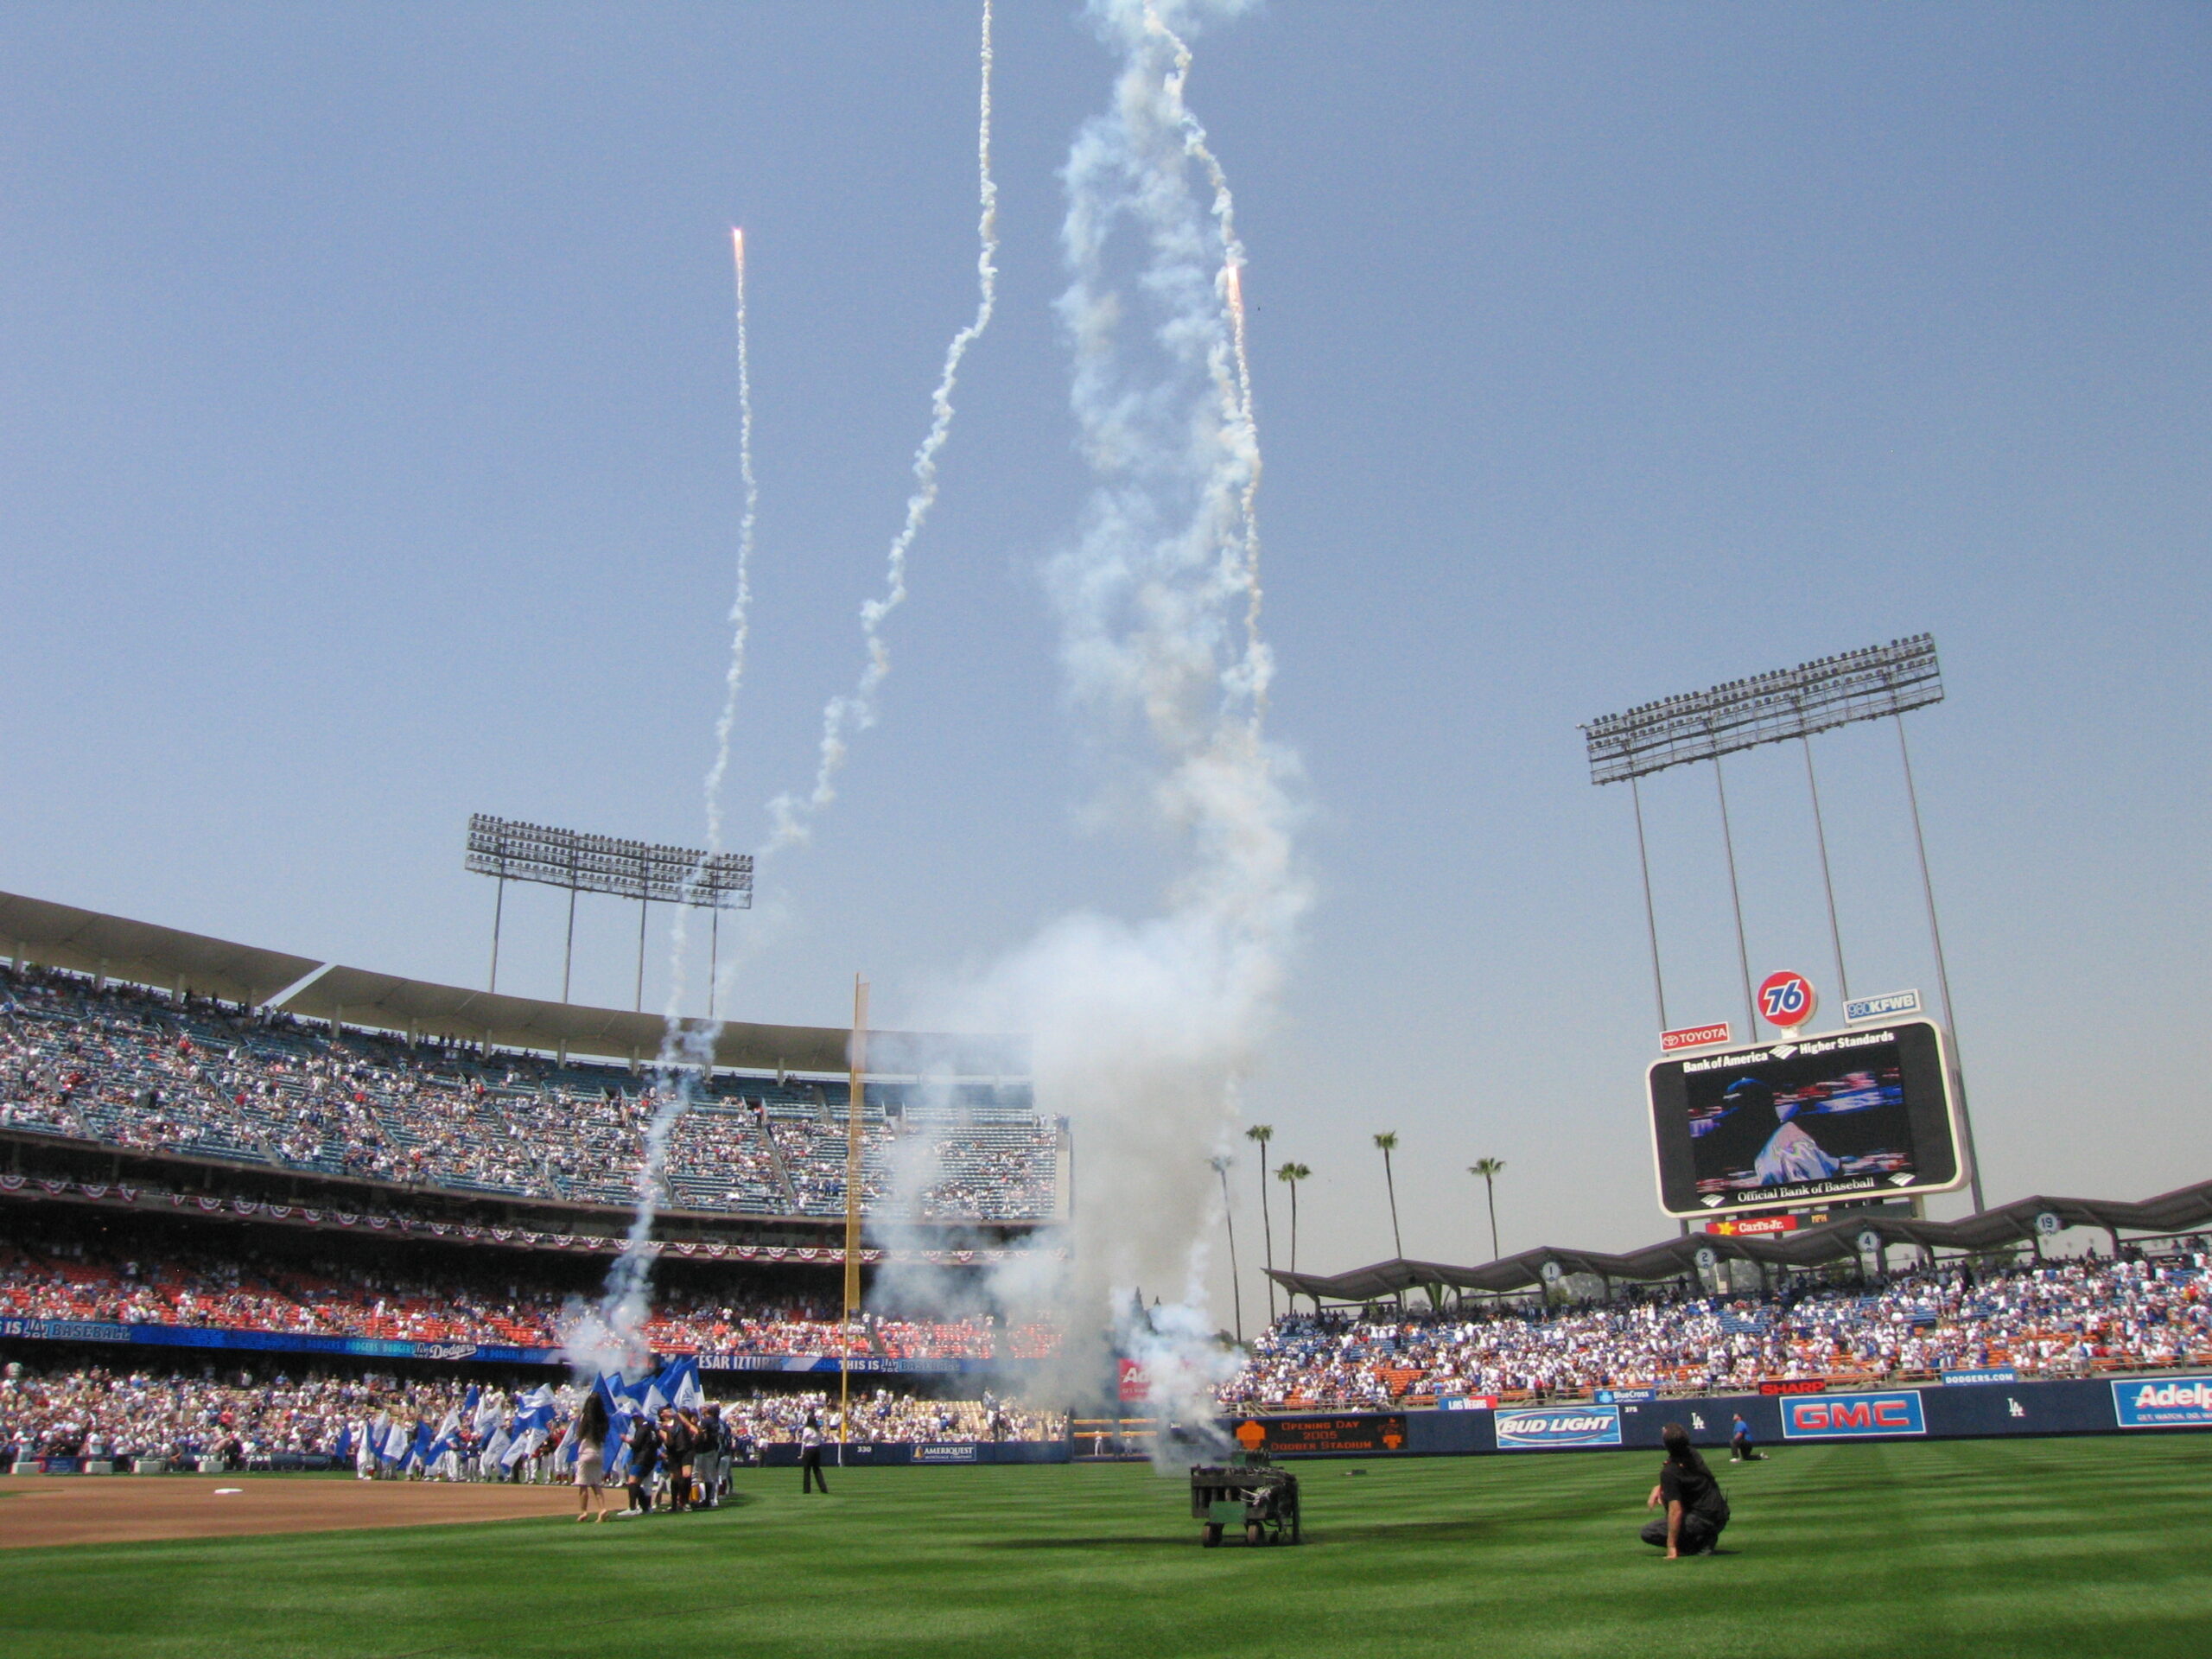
(1249, 1495)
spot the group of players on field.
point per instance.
(677, 1460)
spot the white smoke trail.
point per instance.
(1142, 1031)
(741, 606)
(609, 1334)
(856, 710)
(1258, 662)
(612, 1328)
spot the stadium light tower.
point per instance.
(1788, 704)
(628, 869)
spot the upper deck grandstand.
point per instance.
(246, 1082)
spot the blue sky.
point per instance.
(367, 456)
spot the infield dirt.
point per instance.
(43, 1509)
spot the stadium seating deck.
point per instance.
(138, 1070)
(2063, 1319)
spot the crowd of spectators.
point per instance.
(134, 1068)
(883, 1414)
(65, 1281)
(2069, 1318)
(181, 1418)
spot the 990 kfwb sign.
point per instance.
(1861, 1113)
(1287, 1436)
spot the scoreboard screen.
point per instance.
(1860, 1114)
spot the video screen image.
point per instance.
(1786, 1123)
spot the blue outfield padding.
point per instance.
(886, 1454)
(2102, 1406)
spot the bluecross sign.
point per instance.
(1852, 1416)
(1544, 1430)
(2184, 1402)
(1626, 1397)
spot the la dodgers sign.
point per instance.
(1786, 999)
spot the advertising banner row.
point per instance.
(878, 1454)
(1631, 1418)
(489, 1353)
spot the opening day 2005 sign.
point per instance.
(1319, 1436)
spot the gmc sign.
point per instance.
(1853, 1416)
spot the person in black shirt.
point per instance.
(677, 1441)
(645, 1452)
(710, 1456)
(1696, 1510)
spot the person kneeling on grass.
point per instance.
(1739, 1443)
(1696, 1510)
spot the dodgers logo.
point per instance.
(1540, 1431)
(2182, 1403)
(1852, 1416)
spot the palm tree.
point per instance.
(1290, 1175)
(1221, 1163)
(1489, 1169)
(1385, 1144)
(1261, 1134)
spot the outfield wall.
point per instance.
(1631, 1418)
(878, 1454)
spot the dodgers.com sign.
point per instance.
(2183, 1402)
(1852, 1416)
(1546, 1430)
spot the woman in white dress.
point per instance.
(591, 1460)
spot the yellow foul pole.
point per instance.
(857, 1057)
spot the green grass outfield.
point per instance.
(2022, 1547)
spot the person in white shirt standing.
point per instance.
(810, 1457)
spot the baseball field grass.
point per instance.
(2068, 1548)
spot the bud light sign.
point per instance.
(1852, 1416)
(1541, 1431)
(2185, 1402)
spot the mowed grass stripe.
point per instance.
(2068, 1548)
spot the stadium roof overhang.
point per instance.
(355, 996)
(143, 953)
(2182, 1210)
